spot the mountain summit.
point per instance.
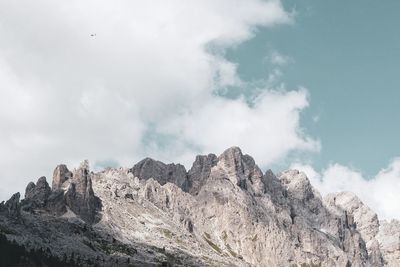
(224, 211)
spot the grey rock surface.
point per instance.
(60, 175)
(161, 172)
(199, 173)
(12, 207)
(80, 197)
(223, 212)
(37, 194)
(389, 242)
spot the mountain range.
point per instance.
(223, 211)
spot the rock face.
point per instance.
(71, 191)
(60, 175)
(80, 197)
(223, 212)
(162, 173)
(12, 207)
(199, 173)
(240, 169)
(37, 195)
(389, 242)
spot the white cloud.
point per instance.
(66, 95)
(381, 193)
(315, 118)
(278, 59)
(267, 130)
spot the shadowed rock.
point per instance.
(274, 188)
(199, 173)
(40, 196)
(37, 195)
(12, 206)
(80, 197)
(56, 202)
(161, 172)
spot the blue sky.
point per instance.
(347, 55)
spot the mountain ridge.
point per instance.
(224, 211)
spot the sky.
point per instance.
(308, 85)
(349, 60)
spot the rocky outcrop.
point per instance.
(162, 173)
(71, 191)
(223, 212)
(80, 197)
(240, 169)
(36, 195)
(61, 174)
(389, 242)
(364, 219)
(199, 173)
(12, 207)
(39, 196)
(56, 202)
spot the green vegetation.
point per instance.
(170, 259)
(167, 233)
(113, 248)
(233, 253)
(254, 239)
(89, 244)
(214, 246)
(224, 236)
(5, 230)
(18, 255)
(207, 235)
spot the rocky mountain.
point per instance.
(224, 211)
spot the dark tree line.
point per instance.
(13, 254)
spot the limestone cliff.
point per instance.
(224, 211)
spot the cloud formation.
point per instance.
(380, 193)
(119, 80)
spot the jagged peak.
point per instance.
(40, 183)
(297, 183)
(293, 176)
(37, 194)
(84, 164)
(234, 158)
(270, 173)
(29, 188)
(81, 175)
(61, 174)
(233, 152)
(150, 160)
(41, 180)
(201, 158)
(236, 201)
(12, 206)
(161, 172)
